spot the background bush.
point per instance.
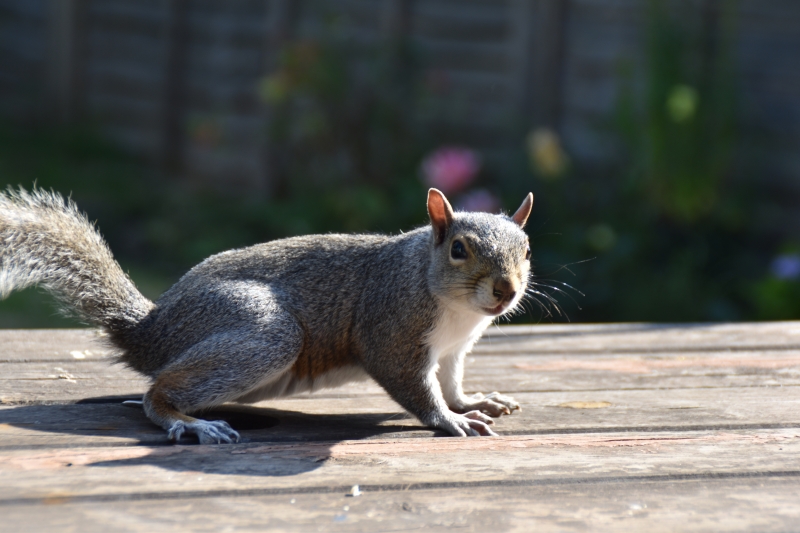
(663, 235)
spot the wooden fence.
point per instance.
(177, 80)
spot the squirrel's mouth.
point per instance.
(494, 311)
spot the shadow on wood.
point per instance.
(102, 421)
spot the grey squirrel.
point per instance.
(291, 315)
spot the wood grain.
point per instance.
(648, 338)
(87, 474)
(623, 427)
(69, 365)
(106, 422)
(68, 381)
(57, 344)
(757, 503)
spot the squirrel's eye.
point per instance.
(458, 250)
(527, 253)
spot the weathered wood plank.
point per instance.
(581, 338)
(514, 373)
(186, 471)
(313, 419)
(52, 344)
(758, 503)
(64, 380)
(633, 425)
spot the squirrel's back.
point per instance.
(334, 285)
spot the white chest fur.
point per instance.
(456, 331)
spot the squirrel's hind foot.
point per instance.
(208, 432)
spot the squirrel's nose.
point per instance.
(504, 290)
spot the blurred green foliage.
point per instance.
(662, 235)
(345, 133)
(108, 184)
(681, 142)
(668, 228)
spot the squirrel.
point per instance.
(290, 315)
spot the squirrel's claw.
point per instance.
(494, 404)
(472, 424)
(506, 401)
(480, 417)
(208, 432)
(216, 432)
(490, 408)
(176, 431)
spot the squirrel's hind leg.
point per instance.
(160, 411)
(219, 369)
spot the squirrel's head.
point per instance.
(480, 261)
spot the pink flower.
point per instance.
(479, 200)
(450, 169)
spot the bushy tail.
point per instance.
(45, 240)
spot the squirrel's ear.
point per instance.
(524, 211)
(441, 214)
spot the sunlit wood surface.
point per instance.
(626, 427)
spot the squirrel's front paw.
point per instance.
(494, 404)
(472, 424)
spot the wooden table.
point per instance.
(626, 427)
